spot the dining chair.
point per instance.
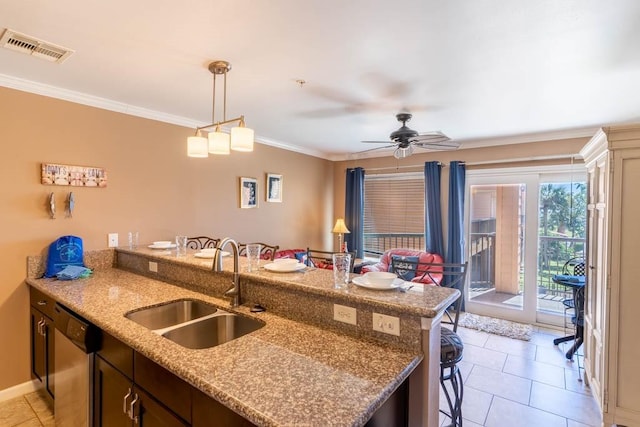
(267, 252)
(324, 259)
(202, 242)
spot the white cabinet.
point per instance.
(612, 306)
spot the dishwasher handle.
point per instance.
(79, 331)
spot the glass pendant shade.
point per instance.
(197, 146)
(401, 153)
(218, 142)
(241, 139)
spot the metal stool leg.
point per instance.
(454, 399)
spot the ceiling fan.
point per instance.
(405, 139)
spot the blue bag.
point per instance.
(67, 250)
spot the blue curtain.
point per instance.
(433, 211)
(354, 210)
(455, 232)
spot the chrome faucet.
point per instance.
(234, 291)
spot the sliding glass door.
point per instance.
(522, 225)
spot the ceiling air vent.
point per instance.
(32, 46)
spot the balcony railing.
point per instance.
(553, 253)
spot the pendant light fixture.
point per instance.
(218, 142)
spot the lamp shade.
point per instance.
(340, 227)
(241, 139)
(218, 142)
(197, 146)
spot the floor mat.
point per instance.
(505, 328)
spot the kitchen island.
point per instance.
(302, 367)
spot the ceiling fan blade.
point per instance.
(376, 142)
(374, 149)
(445, 146)
(430, 136)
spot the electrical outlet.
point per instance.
(153, 267)
(113, 240)
(387, 324)
(345, 314)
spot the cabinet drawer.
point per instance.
(41, 302)
(118, 354)
(167, 388)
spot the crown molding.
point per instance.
(132, 110)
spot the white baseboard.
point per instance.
(19, 390)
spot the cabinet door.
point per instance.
(110, 390)
(208, 412)
(152, 414)
(49, 359)
(42, 349)
(596, 291)
(37, 346)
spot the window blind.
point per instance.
(393, 212)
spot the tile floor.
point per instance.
(511, 382)
(507, 382)
(31, 410)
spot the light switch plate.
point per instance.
(153, 267)
(345, 314)
(387, 324)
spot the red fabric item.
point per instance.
(423, 257)
(288, 253)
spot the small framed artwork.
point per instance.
(274, 188)
(248, 193)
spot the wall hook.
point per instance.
(52, 206)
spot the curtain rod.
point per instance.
(484, 163)
(444, 165)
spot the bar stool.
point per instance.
(453, 276)
(450, 354)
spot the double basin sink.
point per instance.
(194, 324)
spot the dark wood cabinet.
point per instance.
(110, 392)
(208, 412)
(42, 339)
(129, 390)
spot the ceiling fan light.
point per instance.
(241, 138)
(197, 146)
(401, 153)
(219, 142)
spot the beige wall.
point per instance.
(153, 187)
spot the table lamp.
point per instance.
(341, 229)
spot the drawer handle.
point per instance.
(42, 302)
(132, 409)
(41, 326)
(124, 403)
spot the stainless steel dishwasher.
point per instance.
(76, 340)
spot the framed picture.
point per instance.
(248, 193)
(274, 188)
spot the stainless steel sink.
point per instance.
(171, 313)
(213, 331)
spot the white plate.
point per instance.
(171, 246)
(362, 281)
(210, 254)
(285, 267)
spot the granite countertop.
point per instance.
(421, 301)
(286, 373)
